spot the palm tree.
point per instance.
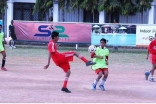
(125, 7)
(42, 6)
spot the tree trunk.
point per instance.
(48, 16)
(142, 18)
(127, 19)
(93, 16)
(63, 15)
(78, 13)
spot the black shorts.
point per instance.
(13, 36)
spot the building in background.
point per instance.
(19, 10)
(22, 10)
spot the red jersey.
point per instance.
(152, 47)
(57, 57)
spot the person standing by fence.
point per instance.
(12, 35)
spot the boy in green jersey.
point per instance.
(100, 56)
(2, 50)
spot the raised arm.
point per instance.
(93, 55)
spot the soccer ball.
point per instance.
(92, 48)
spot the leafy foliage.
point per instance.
(3, 4)
(42, 6)
(124, 7)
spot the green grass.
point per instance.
(121, 56)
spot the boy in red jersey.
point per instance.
(152, 52)
(62, 59)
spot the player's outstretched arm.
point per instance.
(96, 56)
(93, 55)
(49, 57)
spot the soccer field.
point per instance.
(27, 82)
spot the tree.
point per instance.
(41, 7)
(123, 7)
(3, 5)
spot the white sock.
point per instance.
(96, 81)
(103, 81)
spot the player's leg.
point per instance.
(69, 56)
(64, 88)
(147, 73)
(105, 75)
(152, 73)
(99, 72)
(13, 43)
(10, 46)
(3, 61)
(10, 43)
(66, 68)
(88, 63)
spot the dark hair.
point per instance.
(54, 34)
(104, 40)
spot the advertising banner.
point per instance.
(145, 34)
(41, 31)
(116, 34)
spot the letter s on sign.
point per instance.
(44, 32)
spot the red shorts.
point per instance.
(65, 66)
(68, 57)
(101, 69)
(153, 58)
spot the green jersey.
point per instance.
(100, 63)
(1, 41)
(1, 36)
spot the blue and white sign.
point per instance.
(116, 34)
